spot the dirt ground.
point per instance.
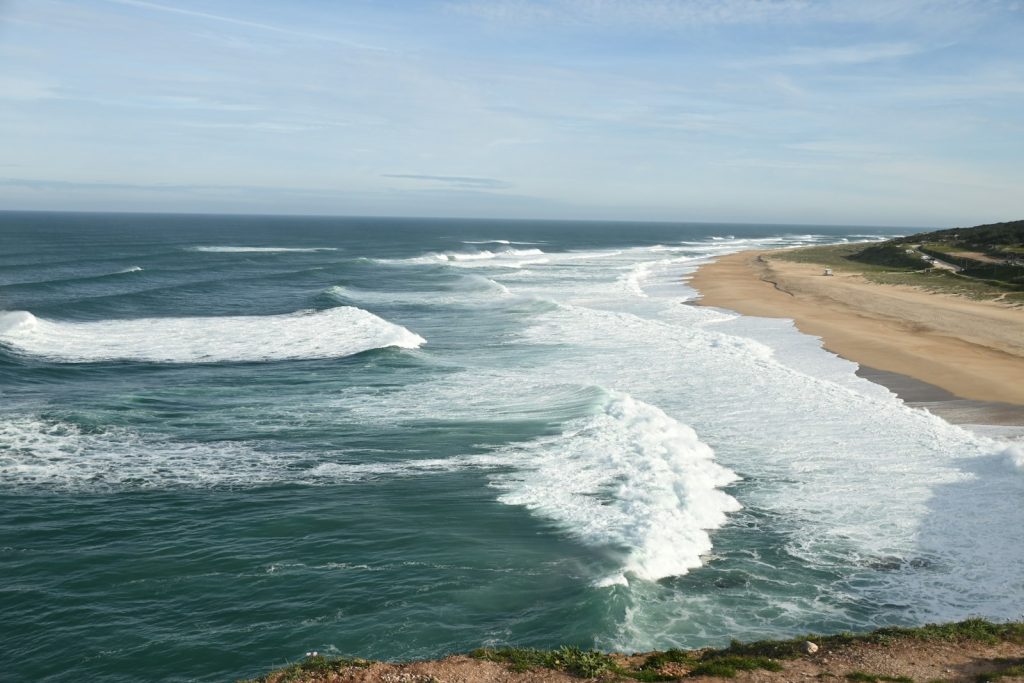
(915, 660)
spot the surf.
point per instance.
(331, 333)
(630, 477)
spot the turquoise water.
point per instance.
(227, 440)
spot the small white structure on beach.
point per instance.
(828, 271)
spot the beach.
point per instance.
(953, 354)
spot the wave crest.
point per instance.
(332, 333)
(631, 477)
(260, 250)
(503, 258)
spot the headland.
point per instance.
(973, 650)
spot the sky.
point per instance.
(855, 112)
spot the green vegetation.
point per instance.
(1001, 246)
(837, 257)
(318, 666)
(739, 656)
(724, 663)
(991, 258)
(727, 666)
(872, 678)
(1014, 670)
(589, 664)
(888, 255)
(974, 630)
(573, 660)
(993, 238)
(973, 268)
(948, 282)
(659, 660)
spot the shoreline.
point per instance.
(990, 418)
(963, 360)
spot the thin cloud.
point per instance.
(25, 90)
(652, 12)
(855, 150)
(946, 15)
(835, 56)
(144, 4)
(89, 186)
(464, 182)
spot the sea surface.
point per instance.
(226, 441)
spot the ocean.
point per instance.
(226, 441)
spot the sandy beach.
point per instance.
(970, 349)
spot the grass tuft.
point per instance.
(674, 656)
(571, 659)
(314, 665)
(1017, 670)
(727, 666)
(862, 677)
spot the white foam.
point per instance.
(633, 280)
(504, 258)
(56, 454)
(1014, 457)
(133, 269)
(498, 242)
(343, 471)
(845, 471)
(332, 333)
(260, 250)
(474, 290)
(631, 477)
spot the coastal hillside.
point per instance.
(973, 650)
(993, 252)
(980, 262)
(1000, 240)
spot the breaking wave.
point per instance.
(503, 258)
(332, 333)
(471, 289)
(261, 250)
(1014, 457)
(630, 477)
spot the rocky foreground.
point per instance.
(973, 650)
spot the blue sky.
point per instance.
(889, 112)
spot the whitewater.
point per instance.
(350, 432)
